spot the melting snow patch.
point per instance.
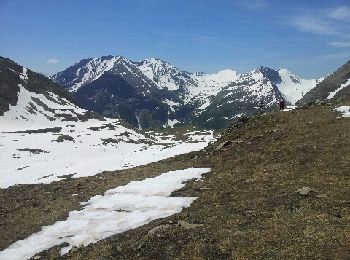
(332, 94)
(118, 210)
(289, 108)
(345, 110)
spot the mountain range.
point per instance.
(154, 93)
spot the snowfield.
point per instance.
(37, 145)
(91, 147)
(118, 210)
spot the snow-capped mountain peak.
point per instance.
(162, 73)
(87, 70)
(152, 85)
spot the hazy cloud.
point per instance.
(52, 61)
(327, 22)
(340, 44)
(312, 24)
(340, 13)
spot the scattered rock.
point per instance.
(33, 151)
(63, 138)
(39, 131)
(223, 145)
(304, 191)
(157, 229)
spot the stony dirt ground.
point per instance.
(248, 206)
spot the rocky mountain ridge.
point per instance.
(160, 94)
(334, 86)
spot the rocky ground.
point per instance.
(279, 188)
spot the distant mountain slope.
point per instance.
(46, 137)
(28, 96)
(294, 88)
(113, 96)
(334, 86)
(152, 92)
(242, 97)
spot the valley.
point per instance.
(77, 184)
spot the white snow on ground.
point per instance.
(90, 153)
(118, 210)
(294, 88)
(332, 94)
(289, 108)
(96, 146)
(345, 110)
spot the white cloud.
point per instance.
(340, 44)
(312, 24)
(52, 61)
(340, 13)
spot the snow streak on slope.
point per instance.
(118, 210)
(294, 88)
(38, 110)
(332, 94)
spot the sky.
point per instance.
(311, 38)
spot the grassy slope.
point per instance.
(247, 207)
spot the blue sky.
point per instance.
(311, 38)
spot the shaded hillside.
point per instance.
(252, 205)
(41, 100)
(330, 84)
(12, 75)
(112, 96)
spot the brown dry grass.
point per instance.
(247, 208)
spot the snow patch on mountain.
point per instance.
(294, 88)
(24, 75)
(209, 85)
(163, 74)
(94, 69)
(39, 110)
